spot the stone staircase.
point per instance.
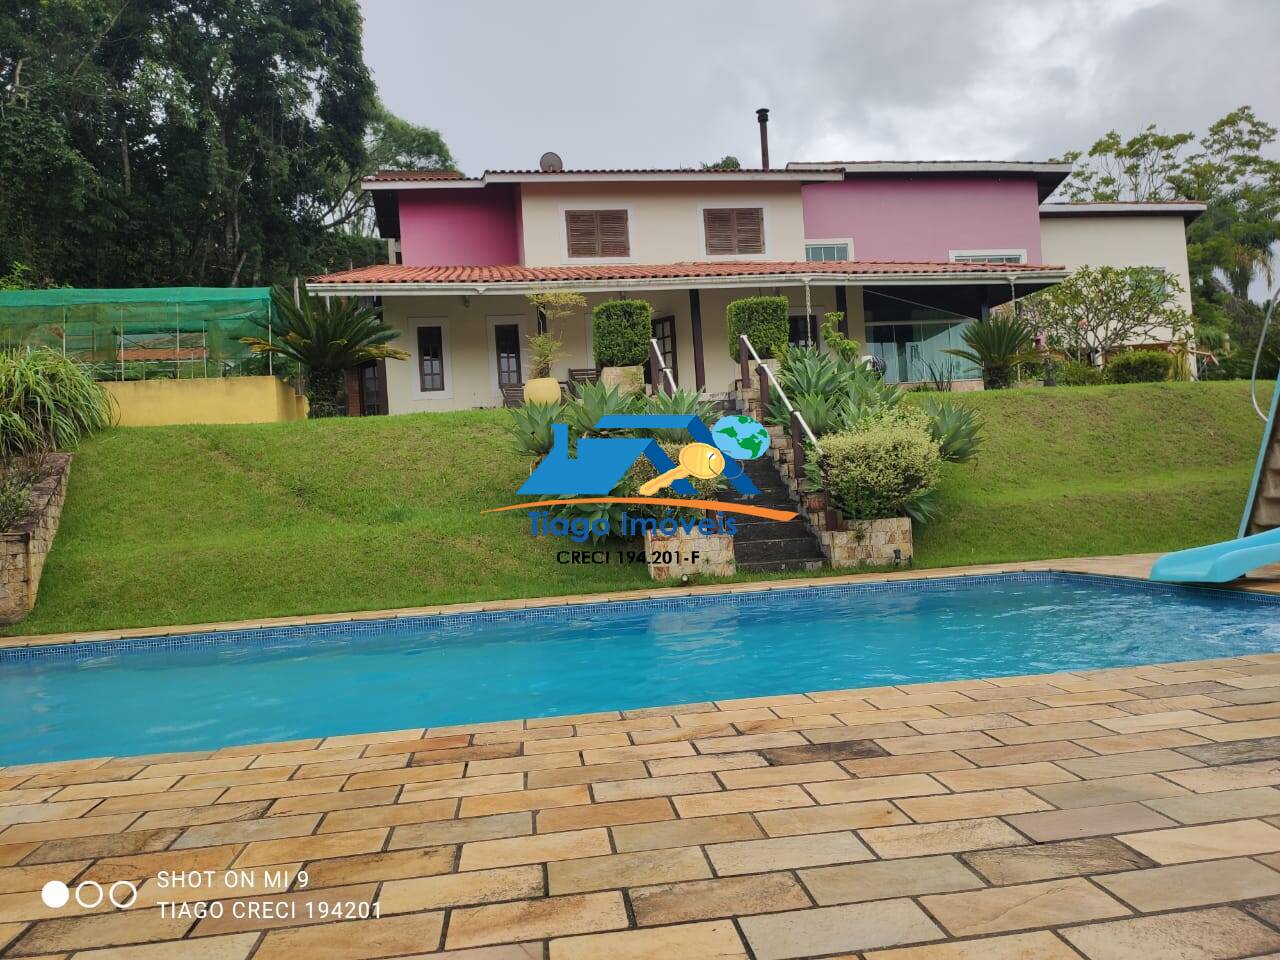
(1266, 505)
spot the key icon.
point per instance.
(700, 460)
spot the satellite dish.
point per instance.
(550, 162)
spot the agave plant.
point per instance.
(807, 370)
(328, 336)
(681, 403)
(594, 401)
(530, 428)
(824, 413)
(957, 429)
(997, 345)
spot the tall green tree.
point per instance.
(221, 142)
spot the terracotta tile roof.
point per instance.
(390, 176)
(507, 176)
(401, 273)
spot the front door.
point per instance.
(664, 331)
(506, 338)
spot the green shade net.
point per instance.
(142, 333)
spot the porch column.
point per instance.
(842, 305)
(695, 320)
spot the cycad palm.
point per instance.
(327, 336)
(997, 345)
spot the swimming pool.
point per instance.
(210, 690)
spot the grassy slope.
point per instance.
(195, 524)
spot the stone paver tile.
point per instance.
(876, 788)
(1017, 946)
(403, 775)
(355, 939)
(635, 869)
(754, 741)
(482, 854)
(786, 853)
(516, 800)
(562, 744)
(390, 815)
(713, 764)
(1048, 732)
(1004, 705)
(1126, 764)
(679, 734)
(688, 832)
(830, 817)
(643, 751)
(312, 848)
(521, 735)
(1172, 720)
(690, 941)
(461, 889)
(862, 726)
(1049, 861)
(389, 865)
(247, 831)
(461, 831)
(1208, 842)
(724, 897)
(545, 761)
(695, 720)
(788, 773)
(1239, 751)
(67, 829)
(1088, 821)
(1097, 793)
(968, 806)
(143, 866)
(1069, 714)
(598, 773)
(1014, 775)
(116, 845)
(828, 750)
(344, 767)
(1199, 702)
(741, 801)
(1135, 742)
(113, 788)
(414, 744)
(1237, 776)
(887, 879)
(19, 879)
(234, 947)
(1224, 805)
(170, 800)
(1022, 907)
(464, 754)
(1221, 933)
(605, 814)
(655, 787)
(671, 710)
(1025, 753)
(536, 919)
(325, 802)
(1193, 884)
(495, 783)
(1245, 730)
(1245, 711)
(824, 930)
(933, 742)
(925, 839)
(323, 755)
(39, 812)
(888, 766)
(98, 930)
(273, 789)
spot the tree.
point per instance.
(997, 345)
(727, 162)
(328, 336)
(1098, 310)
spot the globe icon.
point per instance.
(740, 437)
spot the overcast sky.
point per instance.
(675, 82)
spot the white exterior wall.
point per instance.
(664, 219)
(470, 361)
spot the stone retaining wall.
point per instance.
(714, 551)
(23, 549)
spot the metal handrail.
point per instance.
(764, 371)
(660, 365)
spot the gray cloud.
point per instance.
(672, 83)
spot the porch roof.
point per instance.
(513, 278)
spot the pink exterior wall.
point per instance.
(924, 218)
(473, 227)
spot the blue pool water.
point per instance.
(207, 691)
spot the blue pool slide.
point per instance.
(1219, 562)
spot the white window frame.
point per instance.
(446, 355)
(567, 261)
(953, 254)
(848, 241)
(523, 323)
(739, 205)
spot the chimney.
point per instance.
(763, 116)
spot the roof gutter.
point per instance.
(683, 283)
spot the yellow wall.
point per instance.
(154, 403)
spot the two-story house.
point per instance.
(908, 252)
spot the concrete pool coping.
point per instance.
(1129, 566)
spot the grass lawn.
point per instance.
(195, 524)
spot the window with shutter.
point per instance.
(734, 231)
(597, 233)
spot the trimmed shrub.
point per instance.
(1073, 373)
(1139, 366)
(621, 330)
(880, 471)
(764, 320)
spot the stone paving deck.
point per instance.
(1108, 815)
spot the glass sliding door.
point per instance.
(912, 350)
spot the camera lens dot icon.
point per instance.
(55, 894)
